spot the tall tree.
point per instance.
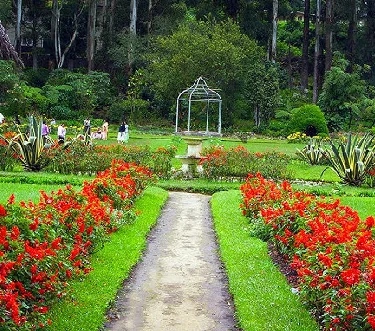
(275, 9)
(329, 33)
(305, 47)
(17, 41)
(352, 33)
(61, 49)
(132, 33)
(91, 28)
(7, 51)
(317, 52)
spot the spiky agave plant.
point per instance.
(313, 152)
(30, 146)
(352, 160)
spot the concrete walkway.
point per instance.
(179, 284)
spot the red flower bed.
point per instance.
(329, 246)
(46, 244)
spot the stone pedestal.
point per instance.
(190, 161)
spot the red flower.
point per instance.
(351, 276)
(3, 211)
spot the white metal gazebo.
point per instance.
(199, 92)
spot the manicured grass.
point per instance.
(25, 192)
(365, 206)
(86, 310)
(302, 170)
(41, 178)
(262, 297)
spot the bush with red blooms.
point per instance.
(78, 157)
(44, 245)
(218, 162)
(329, 246)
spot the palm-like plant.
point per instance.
(352, 160)
(312, 152)
(30, 146)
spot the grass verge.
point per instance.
(86, 310)
(262, 297)
(26, 192)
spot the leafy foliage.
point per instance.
(351, 160)
(313, 152)
(342, 93)
(228, 59)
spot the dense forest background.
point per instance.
(130, 59)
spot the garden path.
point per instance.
(179, 284)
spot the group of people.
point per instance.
(100, 133)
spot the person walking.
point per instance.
(45, 131)
(105, 129)
(61, 133)
(126, 138)
(123, 133)
(87, 127)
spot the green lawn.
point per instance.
(26, 192)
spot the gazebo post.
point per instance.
(208, 108)
(177, 115)
(189, 114)
(219, 128)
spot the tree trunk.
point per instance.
(133, 34)
(257, 116)
(352, 32)
(290, 73)
(149, 22)
(329, 26)
(305, 47)
(17, 41)
(111, 19)
(91, 22)
(55, 28)
(35, 41)
(317, 52)
(275, 9)
(7, 51)
(370, 31)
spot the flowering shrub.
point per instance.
(79, 157)
(218, 162)
(297, 137)
(46, 244)
(370, 177)
(162, 161)
(8, 158)
(331, 249)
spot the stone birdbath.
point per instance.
(190, 161)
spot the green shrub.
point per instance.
(308, 119)
(36, 77)
(238, 162)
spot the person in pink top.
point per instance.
(45, 131)
(105, 130)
